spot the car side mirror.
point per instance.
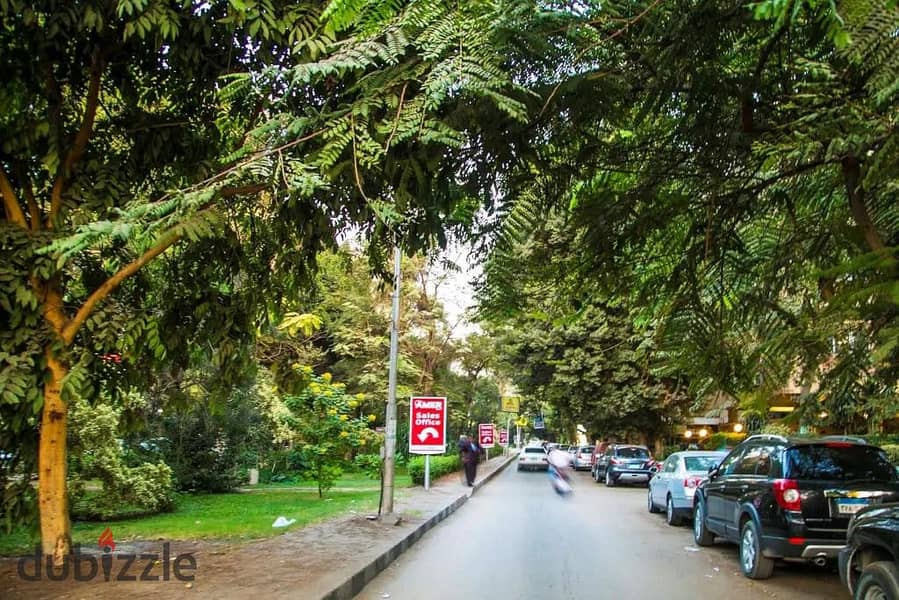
(653, 470)
(713, 471)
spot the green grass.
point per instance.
(236, 516)
(350, 480)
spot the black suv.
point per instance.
(622, 463)
(868, 563)
(783, 497)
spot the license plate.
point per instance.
(637, 466)
(850, 506)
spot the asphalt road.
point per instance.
(516, 539)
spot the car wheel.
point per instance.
(650, 504)
(752, 562)
(610, 482)
(596, 476)
(701, 535)
(879, 581)
(670, 516)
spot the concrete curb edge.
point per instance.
(354, 584)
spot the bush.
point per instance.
(892, 451)
(721, 440)
(96, 454)
(777, 429)
(440, 466)
(370, 464)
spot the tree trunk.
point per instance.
(56, 540)
(852, 175)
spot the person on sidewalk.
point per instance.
(468, 450)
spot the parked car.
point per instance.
(533, 458)
(674, 485)
(581, 457)
(781, 497)
(868, 563)
(623, 463)
(598, 450)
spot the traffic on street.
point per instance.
(518, 538)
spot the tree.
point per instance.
(726, 172)
(133, 128)
(593, 370)
(327, 428)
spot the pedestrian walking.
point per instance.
(468, 450)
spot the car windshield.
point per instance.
(586, 450)
(633, 452)
(839, 463)
(534, 451)
(700, 463)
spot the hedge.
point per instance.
(440, 466)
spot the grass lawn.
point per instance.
(349, 480)
(236, 516)
(233, 516)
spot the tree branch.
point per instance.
(81, 138)
(72, 327)
(34, 212)
(11, 205)
(852, 176)
(165, 242)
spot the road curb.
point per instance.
(354, 584)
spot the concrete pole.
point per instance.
(390, 441)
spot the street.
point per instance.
(516, 539)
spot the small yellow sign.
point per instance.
(511, 404)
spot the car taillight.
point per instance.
(692, 482)
(786, 493)
(614, 461)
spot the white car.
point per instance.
(582, 457)
(533, 458)
(676, 482)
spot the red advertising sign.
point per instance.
(486, 435)
(427, 425)
(503, 437)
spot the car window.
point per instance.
(700, 463)
(534, 451)
(670, 465)
(586, 450)
(633, 452)
(730, 463)
(838, 462)
(751, 460)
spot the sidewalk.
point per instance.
(420, 510)
(332, 560)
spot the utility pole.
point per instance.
(390, 441)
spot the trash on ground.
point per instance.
(282, 522)
(691, 548)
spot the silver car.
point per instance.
(676, 482)
(582, 457)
